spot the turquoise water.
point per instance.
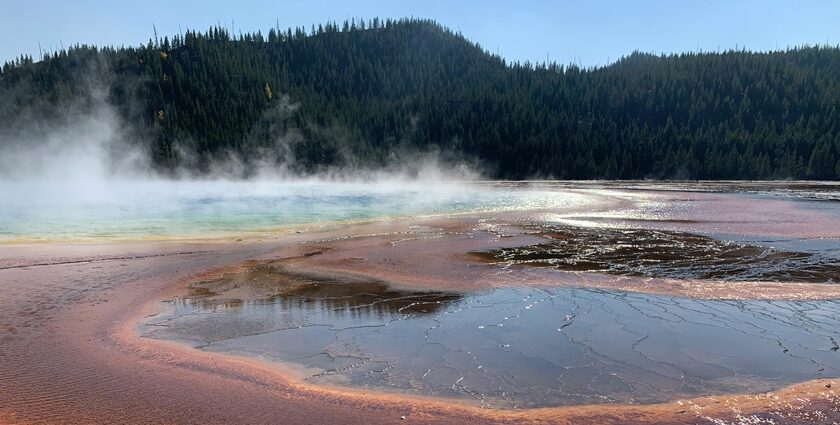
(94, 209)
(174, 209)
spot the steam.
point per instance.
(86, 148)
(87, 171)
(98, 146)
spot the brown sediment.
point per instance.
(70, 353)
(666, 254)
(428, 259)
(79, 360)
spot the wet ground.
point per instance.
(528, 311)
(669, 254)
(70, 351)
(507, 347)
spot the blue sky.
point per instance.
(589, 33)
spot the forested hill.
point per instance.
(353, 94)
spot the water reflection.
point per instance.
(270, 285)
(510, 347)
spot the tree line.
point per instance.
(354, 94)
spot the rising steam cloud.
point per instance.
(95, 156)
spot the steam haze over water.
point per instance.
(82, 181)
(140, 209)
(86, 177)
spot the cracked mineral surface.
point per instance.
(511, 347)
(645, 297)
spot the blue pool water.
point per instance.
(166, 209)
